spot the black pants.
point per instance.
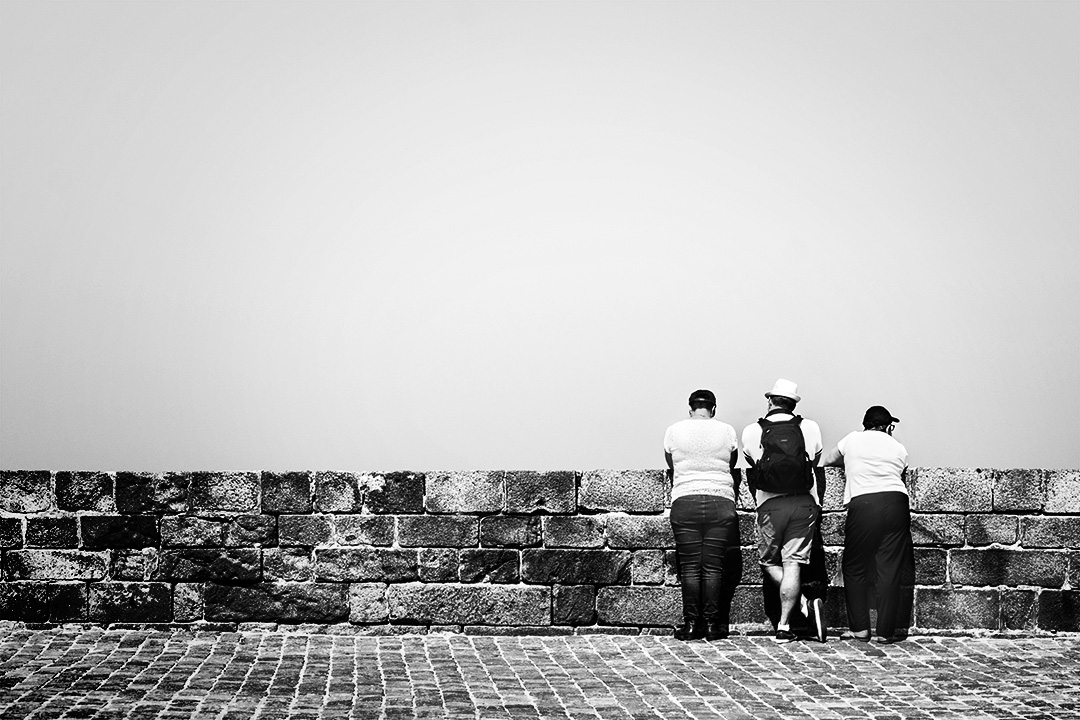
(704, 527)
(877, 533)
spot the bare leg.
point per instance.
(790, 584)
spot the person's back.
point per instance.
(873, 462)
(701, 450)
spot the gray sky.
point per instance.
(378, 236)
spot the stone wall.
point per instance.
(488, 552)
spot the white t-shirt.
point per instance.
(873, 462)
(751, 446)
(701, 450)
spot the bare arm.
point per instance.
(670, 467)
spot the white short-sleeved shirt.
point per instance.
(751, 445)
(873, 462)
(701, 449)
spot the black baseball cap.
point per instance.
(703, 397)
(877, 415)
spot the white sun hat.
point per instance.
(785, 388)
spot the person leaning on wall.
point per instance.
(701, 453)
(877, 531)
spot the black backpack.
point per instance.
(784, 466)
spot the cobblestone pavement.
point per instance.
(240, 676)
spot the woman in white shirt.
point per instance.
(877, 532)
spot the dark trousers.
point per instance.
(877, 534)
(704, 527)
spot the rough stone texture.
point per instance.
(85, 491)
(470, 604)
(287, 603)
(1059, 610)
(54, 565)
(953, 490)
(25, 491)
(362, 529)
(465, 492)
(1019, 609)
(639, 606)
(288, 492)
(834, 489)
(118, 531)
(187, 531)
(575, 567)
(43, 602)
(511, 531)
(217, 493)
(580, 531)
(251, 531)
(1050, 532)
(433, 531)
(52, 532)
(134, 565)
(956, 609)
(982, 529)
(130, 602)
(288, 564)
(395, 492)
(438, 564)
(996, 566)
(171, 492)
(624, 490)
(573, 605)
(306, 530)
(832, 528)
(134, 492)
(647, 567)
(1063, 492)
(532, 492)
(937, 529)
(638, 531)
(931, 565)
(367, 603)
(202, 565)
(11, 533)
(490, 566)
(338, 492)
(1019, 490)
(365, 565)
(1074, 570)
(187, 602)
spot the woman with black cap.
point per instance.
(877, 532)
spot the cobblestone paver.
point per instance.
(113, 674)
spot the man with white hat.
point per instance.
(783, 451)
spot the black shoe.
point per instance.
(691, 630)
(715, 630)
(785, 636)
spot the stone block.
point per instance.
(294, 564)
(937, 530)
(1074, 570)
(834, 489)
(576, 567)
(134, 492)
(647, 567)
(339, 492)
(172, 491)
(624, 490)
(395, 492)
(1053, 531)
(984, 529)
(957, 609)
(748, 533)
(996, 566)
(832, 528)
(638, 531)
(1059, 610)
(1019, 490)
(118, 531)
(368, 603)
(187, 531)
(447, 604)
(362, 529)
(85, 491)
(528, 491)
(671, 567)
(511, 531)
(282, 603)
(489, 566)
(25, 491)
(126, 602)
(573, 605)
(54, 565)
(438, 564)
(434, 531)
(133, 565)
(187, 602)
(366, 565)
(465, 492)
(1063, 492)
(580, 531)
(251, 531)
(43, 602)
(931, 566)
(959, 490)
(305, 530)
(213, 493)
(203, 565)
(287, 492)
(11, 533)
(52, 532)
(639, 606)
(1019, 609)
(67, 602)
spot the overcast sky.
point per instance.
(383, 236)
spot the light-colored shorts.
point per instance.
(786, 529)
